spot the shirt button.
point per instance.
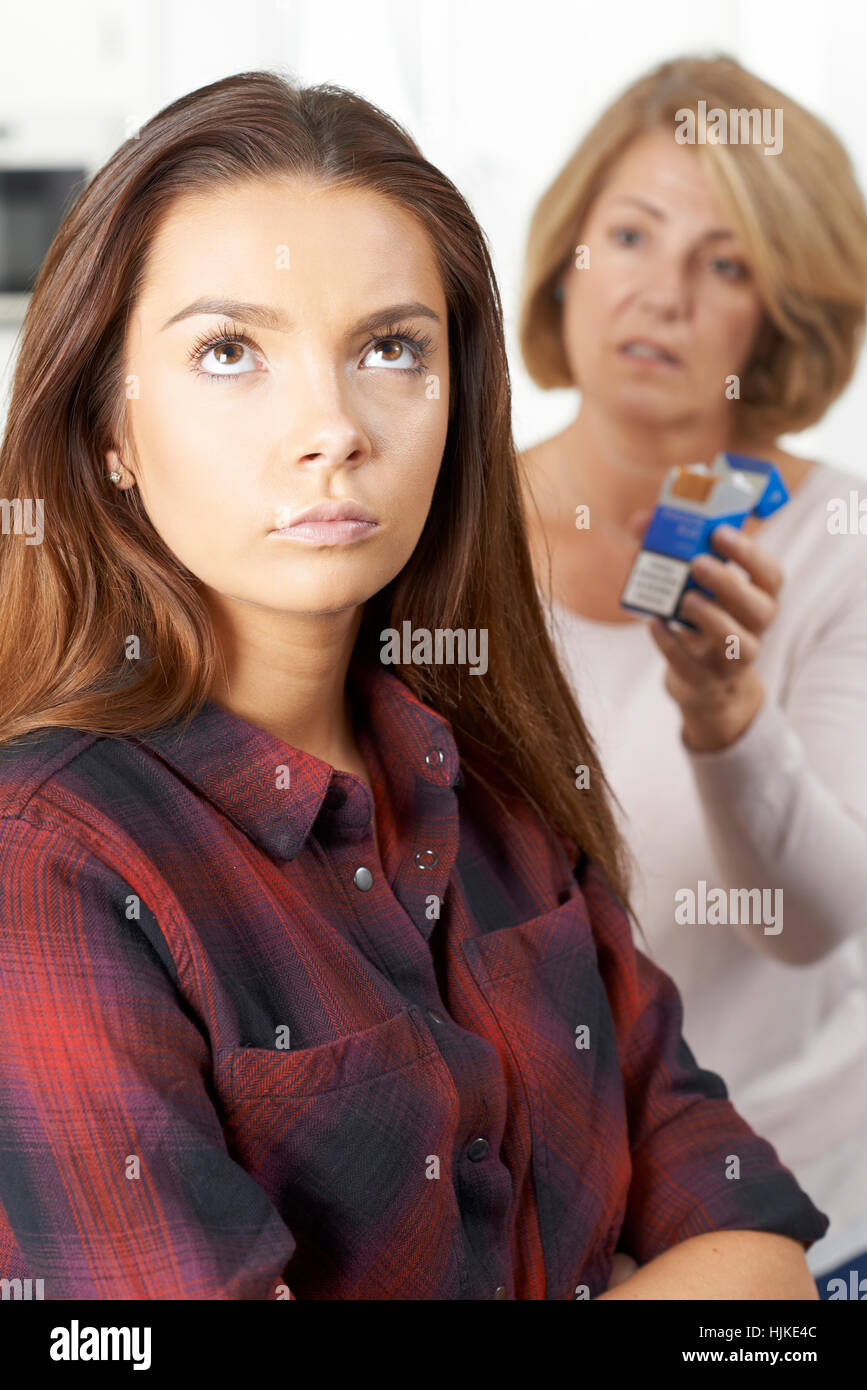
(431, 1013)
(363, 879)
(434, 757)
(426, 858)
(500, 1292)
(477, 1150)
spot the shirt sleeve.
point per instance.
(785, 805)
(697, 1166)
(115, 1178)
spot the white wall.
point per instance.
(496, 94)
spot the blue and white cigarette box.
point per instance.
(694, 500)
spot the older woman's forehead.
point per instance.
(668, 177)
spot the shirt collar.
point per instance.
(273, 792)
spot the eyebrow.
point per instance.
(714, 235)
(265, 316)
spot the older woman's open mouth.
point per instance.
(648, 352)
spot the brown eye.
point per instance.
(221, 356)
(223, 353)
(400, 349)
(391, 350)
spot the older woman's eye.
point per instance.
(622, 235)
(729, 269)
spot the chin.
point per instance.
(319, 602)
(653, 406)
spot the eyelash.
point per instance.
(227, 335)
(421, 343)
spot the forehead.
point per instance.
(656, 167)
(292, 239)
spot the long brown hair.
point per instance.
(103, 572)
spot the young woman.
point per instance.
(722, 306)
(317, 975)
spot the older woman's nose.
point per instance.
(667, 288)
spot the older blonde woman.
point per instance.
(708, 297)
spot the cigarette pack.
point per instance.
(694, 499)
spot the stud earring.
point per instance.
(115, 477)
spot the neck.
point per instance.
(286, 673)
(620, 465)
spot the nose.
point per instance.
(668, 291)
(325, 429)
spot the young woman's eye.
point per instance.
(625, 236)
(228, 355)
(401, 352)
(227, 359)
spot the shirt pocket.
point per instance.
(542, 984)
(352, 1141)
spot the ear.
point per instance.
(114, 465)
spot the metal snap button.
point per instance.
(477, 1150)
(434, 757)
(363, 879)
(500, 1292)
(426, 858)
(432, 1014)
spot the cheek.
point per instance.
(729, 327)
(185, 426)
(594, 296)
(190, 463)
(407, 439)
(584, 330)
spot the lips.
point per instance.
(648, 350)
(329, 509)
(327, 523)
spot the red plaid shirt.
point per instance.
(241, 1056)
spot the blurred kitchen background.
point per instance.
(496, 94)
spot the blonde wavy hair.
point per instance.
(801, 216)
